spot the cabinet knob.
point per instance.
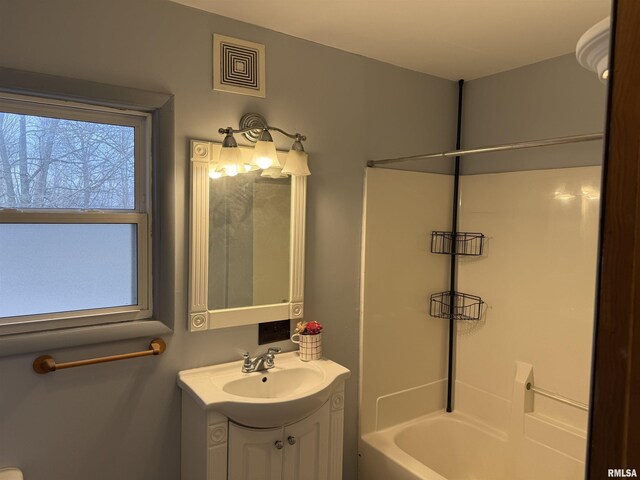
(291, 440)
(279, 444)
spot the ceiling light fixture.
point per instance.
(256, 129)
(592, 50)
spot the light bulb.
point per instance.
(264, 162)
(231, 170)
(214, 174)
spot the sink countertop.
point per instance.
(290, 391)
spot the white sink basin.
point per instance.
(10, 474)
(275, 383)
(289, 392)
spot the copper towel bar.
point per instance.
(46, 363)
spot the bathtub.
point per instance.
(455, 446)
(440, 446)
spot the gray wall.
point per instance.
(122, 420)
(548, 99)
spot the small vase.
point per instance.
(310, 346)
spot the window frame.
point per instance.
(140, 214)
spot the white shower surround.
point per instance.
(545, 220)
(538, 279)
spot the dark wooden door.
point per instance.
(614, 434)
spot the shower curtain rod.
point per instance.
(588, 137)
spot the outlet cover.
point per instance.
(271, 332)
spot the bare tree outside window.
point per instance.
(52, 163)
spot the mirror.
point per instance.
(247, 245)
(249, 225)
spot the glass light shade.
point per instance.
(230, 161)
(264, 155)
(273, 172)
(296, 163)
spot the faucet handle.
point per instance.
(269, 356)
(246, 360)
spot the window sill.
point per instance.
(72, 337)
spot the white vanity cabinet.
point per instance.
(284, 423)
(296, 452)
(215, 448)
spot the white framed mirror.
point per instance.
(246, 256)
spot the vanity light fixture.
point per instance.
(256, 129)
(592, 50)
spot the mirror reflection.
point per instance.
(249, 241)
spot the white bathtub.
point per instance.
(440, 446)
(454, 446)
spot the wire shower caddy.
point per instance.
(455, 306)
(458, 243)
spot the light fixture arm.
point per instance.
(252, 125)
(295, 136)
(228, 130)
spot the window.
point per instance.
(75, 219)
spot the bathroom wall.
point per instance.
(122, 420)
(553, 98)
(403, 350)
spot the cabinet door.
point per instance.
(254, 453)
(307, 447)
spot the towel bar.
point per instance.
(46, 363)
(560, 398)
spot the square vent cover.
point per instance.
(238, 66)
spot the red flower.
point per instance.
(312, 328)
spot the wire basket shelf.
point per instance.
(459, 243)
(461, 307)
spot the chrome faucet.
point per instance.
(260, 363)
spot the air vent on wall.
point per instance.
(238, 66)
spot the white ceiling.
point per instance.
(448, 38)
